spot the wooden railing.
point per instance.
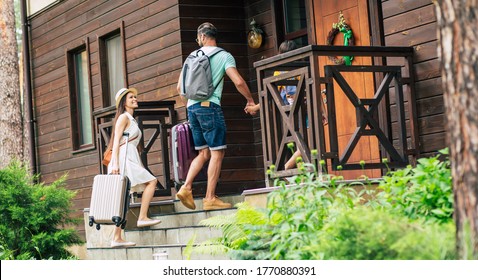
(154, 118)
(310, 71)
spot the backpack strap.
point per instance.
(216, 51)
(198, 51)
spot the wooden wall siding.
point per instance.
(158, 36)
(153, 59)
(241, 167)
(261, 11)
(413, 23)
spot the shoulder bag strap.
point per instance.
(125, 152)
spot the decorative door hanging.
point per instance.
(348, 40)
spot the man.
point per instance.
(207, 121)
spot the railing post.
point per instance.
(334, 145)
(412, 108)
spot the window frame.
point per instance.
(103, 61)
(279, 17)
(75, 129)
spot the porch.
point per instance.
(369, 107)
(359, 119)
(382, 112)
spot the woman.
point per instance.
(141, 179)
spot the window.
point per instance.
(112, 66)
(291, 18)
(34, 7)
(80, 98)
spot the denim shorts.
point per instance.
(208, 126)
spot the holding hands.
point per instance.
(252, 109)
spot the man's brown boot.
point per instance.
(215, 204)
(186, 197)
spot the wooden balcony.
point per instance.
(370, 108)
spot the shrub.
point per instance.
(298, 213)
(421, 192)
(33, 217)
(287, 229)
(319, 218)
(367, 234)
(238, 230)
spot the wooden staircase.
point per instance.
(179, 224)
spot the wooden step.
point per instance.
(174, 252)
(179, 224)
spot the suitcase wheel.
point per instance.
(123, 225)
(98, 226)
(91, 223)
(117, 221)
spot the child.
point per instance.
(287, 94)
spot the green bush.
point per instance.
(240, 231)
(34, 217)
(287, 229)
(368, 234)
(421, 192)
(317, 217)
(299, 212)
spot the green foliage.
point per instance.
(297, 213)
(236, 229)
(368, 234)
(421, 192)
(288, 226)
(189, 247)
(34, 217)
(320, 217)
(5, 254)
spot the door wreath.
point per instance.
(348, 40)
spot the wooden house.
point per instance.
(82, 51)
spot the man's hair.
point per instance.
(208, 29)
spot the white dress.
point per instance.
(134, 168)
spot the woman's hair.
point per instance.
(119, 111)
(286, 46)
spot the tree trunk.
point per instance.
(11, 128)
(458, 41)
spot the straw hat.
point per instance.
(123, 92)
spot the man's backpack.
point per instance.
(196, 82)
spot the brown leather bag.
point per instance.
(107, 154)
(107, 157)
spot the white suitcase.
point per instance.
(110, 198)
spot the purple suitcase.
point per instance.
(183, 153)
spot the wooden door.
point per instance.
(326, 12)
